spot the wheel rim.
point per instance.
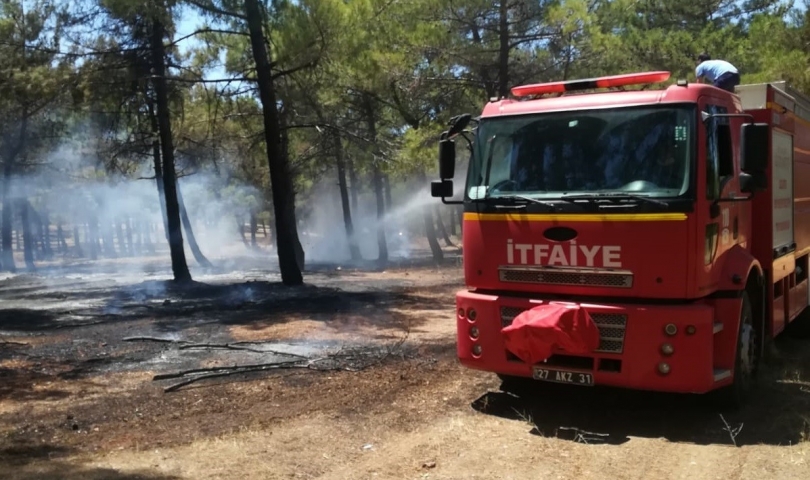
(748, 349)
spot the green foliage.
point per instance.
(33, 78)
(407, 65)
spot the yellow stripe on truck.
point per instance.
(588, 217)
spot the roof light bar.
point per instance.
(588, 83)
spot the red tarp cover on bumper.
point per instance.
(536, 332)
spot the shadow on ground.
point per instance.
(36, 303)
(779, 413)
(46, 462)
(66, 471)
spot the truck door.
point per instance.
(723, 220)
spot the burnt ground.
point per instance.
(370, 388)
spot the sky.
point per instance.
(189, 21)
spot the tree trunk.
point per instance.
(387, 185)
(382, 243)
(130, 243)
(377, 180)
(254, 226)
(240, 225)
(503, 51)
(300, 255)
(107, 235)
(8, 169)
(178, 254)
(122, 244)
(355, 186)
(157, 164)
(451, 220)
(271, 232)
(354, 249)
(45, 225)
(430, 229)
(77, 242)
(28, 240)
(192, 240)
(460, 211)
(92, 237)
(278, 163)
(8, 218)
(37, 243)
(146, 239)
(61, 244)
(442, 230)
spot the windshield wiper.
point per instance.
(513, 199)
(614, 195)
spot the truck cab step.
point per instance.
(718, 327)
(721, 374)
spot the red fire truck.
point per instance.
(644, 238)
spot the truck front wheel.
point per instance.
(519, 386)
(747, 359)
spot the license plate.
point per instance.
(562, 376)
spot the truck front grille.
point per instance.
(566, 276)
(611, 328)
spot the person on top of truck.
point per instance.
(719, 73)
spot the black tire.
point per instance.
(800, 326)
(747, 360)
(520, 386)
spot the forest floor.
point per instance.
(371, 388)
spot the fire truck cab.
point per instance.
(672, 222)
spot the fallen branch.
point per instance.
(166, 376)
(583, 436)
(732, 432)
(185, 345)
(151, 339)
(357, 359)
(77, 325)
(11, 342)
(234, 346)
(270, 366)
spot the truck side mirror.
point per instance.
(458, 124)
(441, 189)
(753, 182)
(447, 159)
(754, 147)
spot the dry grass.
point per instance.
(38, 397)
(455, 444)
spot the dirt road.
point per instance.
(77, 401)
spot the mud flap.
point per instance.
(535, 333)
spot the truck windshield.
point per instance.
(639, 151)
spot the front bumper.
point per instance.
(629, 354)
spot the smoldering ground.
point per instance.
(102, 262)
